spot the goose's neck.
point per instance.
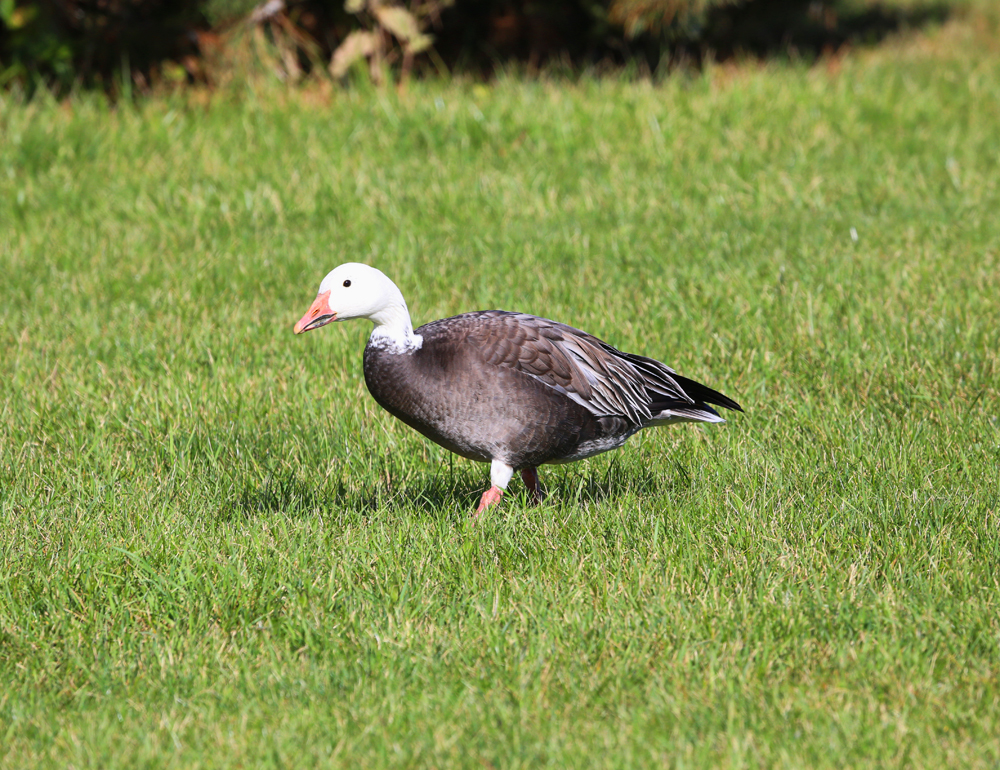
(393, 330)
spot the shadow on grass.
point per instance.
(449, 492)
(583, 486)
(281, 493)
(286, 493)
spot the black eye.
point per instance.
(347, 283)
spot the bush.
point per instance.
(104, 42)
(63, 42)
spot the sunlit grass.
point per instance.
(217, 551)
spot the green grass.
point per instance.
(217, 551)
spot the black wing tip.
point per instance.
(710, 396)
(704, 394)
(727, 402)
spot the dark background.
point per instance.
(105, 43)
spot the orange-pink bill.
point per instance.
(318, 314)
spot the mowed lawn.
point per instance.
(217, 551)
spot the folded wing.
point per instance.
(602, 379)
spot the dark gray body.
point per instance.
(526, 390)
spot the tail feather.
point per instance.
(667, 410)
(686, 414)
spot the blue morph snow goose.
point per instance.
(510, 389)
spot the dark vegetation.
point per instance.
(135, 44)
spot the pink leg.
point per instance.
(530, 478)
(491, 496)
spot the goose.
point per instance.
(509, 389)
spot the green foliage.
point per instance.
(216, 551)
(74, 42)
(28, 40)
(637, 17)
(223, 11)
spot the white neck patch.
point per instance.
(396, 341)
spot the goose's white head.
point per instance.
(354, 290)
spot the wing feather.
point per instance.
(602, 379)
